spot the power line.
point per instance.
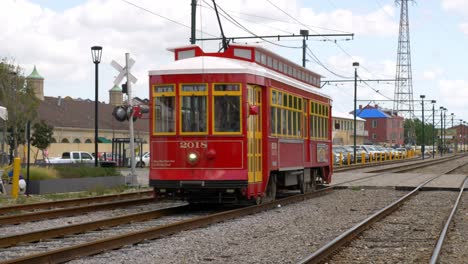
(161, 16)
(239, 25)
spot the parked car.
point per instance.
(359, 152)
(145, 160)
(73, 157)
(344, 153)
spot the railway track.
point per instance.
(399, 163)
(80, 249)
(15, 209)
(66, 253)
(377, 245)
(70, 211)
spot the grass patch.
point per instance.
(67, 172)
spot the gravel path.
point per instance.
(408, 235)
(455, 248)
(284, 235)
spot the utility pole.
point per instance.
(194, 22)
(304, 33)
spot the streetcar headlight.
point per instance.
(192, 158)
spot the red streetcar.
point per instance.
(237, 125)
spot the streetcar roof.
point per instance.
(219, 65)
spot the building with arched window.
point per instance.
(73, 120)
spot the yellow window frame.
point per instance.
(163, 94)
(192, 93)
(291, 105)
(320, 113)
(223, 93)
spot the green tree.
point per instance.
(19, 99)
(42, 137)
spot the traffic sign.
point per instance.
(123, 71)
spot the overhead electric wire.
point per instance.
(288, 22)
(317, 60)
(251, 21)
(161, 16)
(239, 25)
(338, 45)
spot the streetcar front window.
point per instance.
(164, 109)
(164, 114)
(193, 109)
(227, 108)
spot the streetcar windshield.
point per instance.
(193, 108)
(227, 110)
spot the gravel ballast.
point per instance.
(283, 235)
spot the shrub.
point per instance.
(66, 172)
(39, 173)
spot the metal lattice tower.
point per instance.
(403, 99)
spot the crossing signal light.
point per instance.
(124, 88)
(122, 113)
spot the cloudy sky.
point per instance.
(56, 36)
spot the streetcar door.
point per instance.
(254, 135)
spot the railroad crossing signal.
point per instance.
(123, 71)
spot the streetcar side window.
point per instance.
(193, 109)
(164, 109)
(227, 108)
(286, 115)
(319, 120)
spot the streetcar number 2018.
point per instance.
(192, 144)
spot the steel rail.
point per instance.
(392, 162)
(72, 202)
(12, 240)
(443, 234)
(91, 248)
(34, 216)
(328, 249)
(396, 169)
(408, 167)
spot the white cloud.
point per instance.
(432, 74)
(459, 6)
(58, 43)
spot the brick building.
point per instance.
(384, 126)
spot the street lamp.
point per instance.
(441, 130)
(96, 52)
(433, 128)
(459, 136)
(422, 96)
(451, 128)
(355, 65)
(464, 135)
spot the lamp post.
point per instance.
(433, 128)
(459, 136)
(96, 52)
(445, 128)
(422, 96)
(441, 130)
(464, 135)
(355, 65)
(451, 128)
